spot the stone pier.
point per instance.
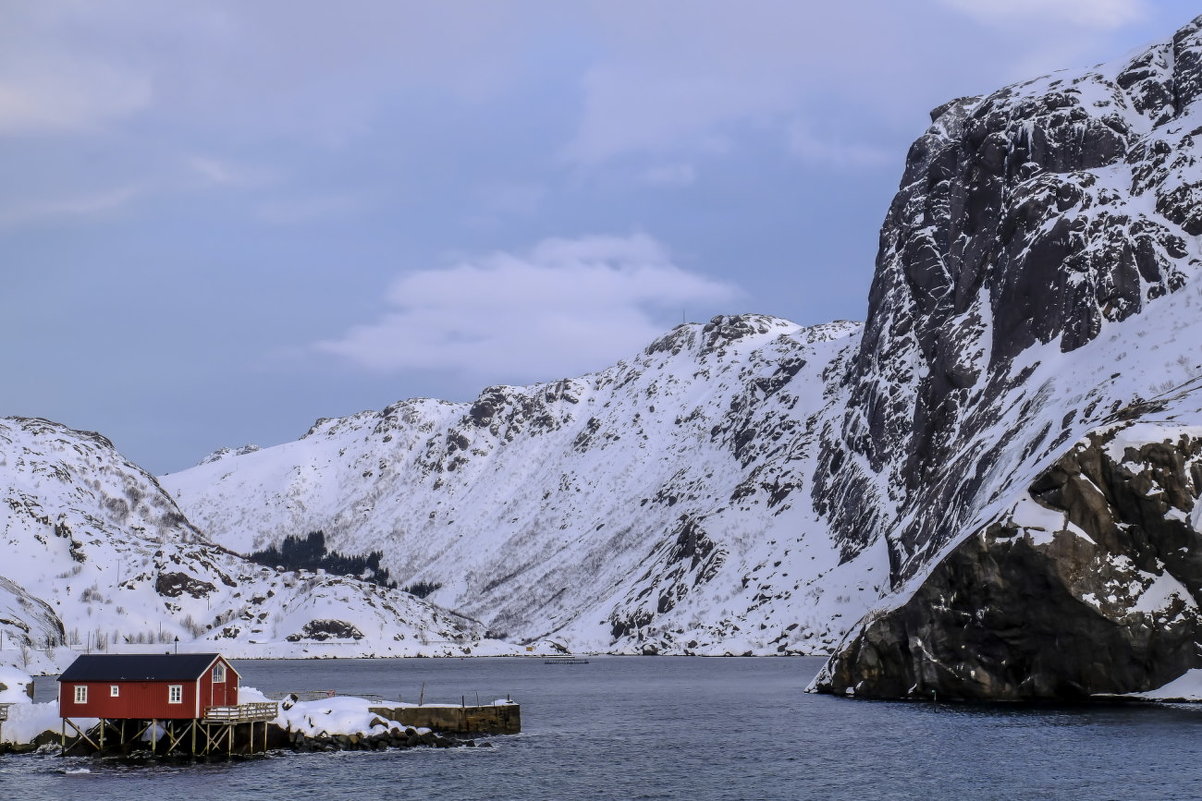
(492, 719)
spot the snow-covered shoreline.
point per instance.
(319, 719)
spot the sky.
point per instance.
(220, 221)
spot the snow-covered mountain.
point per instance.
(662, 505)
(988, 490)
(1005, 451)
(97, 556)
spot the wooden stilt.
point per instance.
(216, 731)
(174, 735)
(83, 736)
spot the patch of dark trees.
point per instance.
(310, 553)
(422, 588)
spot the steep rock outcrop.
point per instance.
(1033, 288)
(1089, 584)
(1034, 216)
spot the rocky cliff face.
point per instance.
(1037, 277)
(1040, 215)
(1088, 584)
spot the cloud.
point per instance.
(635, 107)
(834, 152)
(83, 205)
(217, 172)
(64, 94)
(731, 69)
(1104, 14)
(55, 79)
(565, 307)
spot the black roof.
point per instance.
(138, 667)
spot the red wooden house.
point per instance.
(146, 686)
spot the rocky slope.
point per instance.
(97, 556)
(1037, 285)
(662, 505)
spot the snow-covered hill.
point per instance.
(97, 556)
(662, 505)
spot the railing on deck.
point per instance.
(304, 695)
(3, 712)
(243, 713)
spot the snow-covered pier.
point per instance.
(353, 715)
(501, 717)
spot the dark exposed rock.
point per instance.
(322, 630)
(382, 738)
(173, 585)
(1105, 602)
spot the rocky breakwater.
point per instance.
(385, 735)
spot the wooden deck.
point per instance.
(243, 713)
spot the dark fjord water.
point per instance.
(675, 728)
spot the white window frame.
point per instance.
(114, 691)
(175, 693)
(219, 674)
(81, 693)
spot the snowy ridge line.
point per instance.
(659, 506)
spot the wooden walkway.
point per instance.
(243, 713)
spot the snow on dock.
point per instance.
(354, 715)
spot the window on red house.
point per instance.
(175, 693)
(81, 693)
